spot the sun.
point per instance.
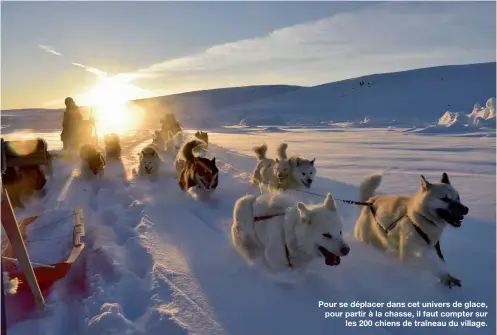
(109, 102)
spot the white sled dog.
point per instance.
(302, 170)
(272, 173)
(284, 235)
(411, 226)
(149, 162)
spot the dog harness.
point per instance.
(267, 217)
(421, 233)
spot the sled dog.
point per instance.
(198, 172)
(284, 235)
(270, 172)
(411, 226)
(173, 145)
(112, 146)
(303, 171)
(204, 137)
(149, 161)
(169, 126)
(179, 161)
(92, 161)
(158, 141)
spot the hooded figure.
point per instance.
(70, 123)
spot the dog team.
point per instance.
(194, 171)
(284, 236)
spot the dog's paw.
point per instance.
(450, 281)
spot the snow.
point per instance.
(160, 261)
(479, 120)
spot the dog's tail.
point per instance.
(188, 148)
(260, 152)
(369, 186)
(281, 151)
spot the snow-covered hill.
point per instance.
(200, 108)
(408, 98)
(414, 96)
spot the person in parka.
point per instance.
(70, 124)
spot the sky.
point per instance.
(51, 50)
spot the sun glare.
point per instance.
(109, 102)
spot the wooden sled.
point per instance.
(47, 273)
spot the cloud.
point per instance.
(93, 70)
(49, 49)
(385, 37)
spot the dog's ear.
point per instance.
(213, 160)
(313, 160)
(304, 212)
(276, 160)
(445, 179)
(425, 184)
(329, 203)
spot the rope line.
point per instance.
(54, 222)
(48, 239)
